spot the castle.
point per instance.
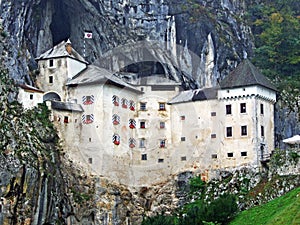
(140, 130)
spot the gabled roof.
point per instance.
(246, 74)
(58, 51)
(195, 95)
(29, 88)
(94, 74)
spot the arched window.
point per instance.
(116, 139)
(131, 105)
(115, 100)
(132, 123)
(116, 119)
(124, 103)
(132, 142)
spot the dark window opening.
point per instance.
(182, 138)
(243, 153)
(162, 125)
(262, 109)
(144, 156)
(230, 154)
(214, 156)
(66, 119)
(142, 124)
(162, 144)
(160, 160)
(31, 96)
(143, 106)
(243, 130)
(228, 109)
(213, 113)
(243, 108)
(182, 117)
(51, 79)
(162, 106)
(213, 135)
(90, 160)
(262, 131)
(228, 131)
(183, 158)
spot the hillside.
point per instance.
(283, 210)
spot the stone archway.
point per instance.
(51, 96)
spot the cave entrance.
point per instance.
(60, 26)
(145, 68)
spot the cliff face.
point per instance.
(197, 41)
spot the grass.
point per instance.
(284, 210)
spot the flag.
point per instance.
(88, 35)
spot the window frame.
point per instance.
(162, 143)
(229, 132)
(143, 106)
(162, 106)
(228, 109)
(243, 108)
(244, 130)
(261, 109)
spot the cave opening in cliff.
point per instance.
(145, 68)
(60, 26)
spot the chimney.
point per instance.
(69, 47)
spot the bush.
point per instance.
(160, 220)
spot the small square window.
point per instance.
(50, 79)
(228, 109)
(243, 153)
(142, 124)
(162, 106)
(144, 156)
(243, 107)
(66, 119)
(261, 109)
(213, 135)
(183, 158)
(214, 156)
(31, 96)
(230, 154)
(213, 113)
(160, 160)
(143, 106)
(243, 130)
(162, 125)
(228, 131)
(262, 131)
(182, 138)
(90, 160)
(182, 117)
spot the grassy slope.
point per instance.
(284, 211)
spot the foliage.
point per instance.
(276, 26)
(196, 184)
(160, 220)
(283, 210)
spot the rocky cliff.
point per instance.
(196, 41)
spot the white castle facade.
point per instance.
(142, 130)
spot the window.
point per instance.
(50, 79)
(131, 105)
(230, 154)
(162, 143)
(160, 160)
(213, 113)
(115, 100)
(143, 106)
(228, 131)
(51, 63)
(90, 139)
(214, 156)
(243, 107)
(182, 117)
(115, 119)
(182, 138)
(86, 119)
(66, 119)
(132, 124)
(162, 106)
(88, 100)
(162, 125)
(132, 142)
(31, 96)
(243, 153)
(124, 103)
(213, 135)
(261, 109)
(90, 160)
(144, 156)
(262, 131)
(142, 143)
(143, 124)
(116, 139)
(243, 130)
(228, 109)
(183, 158)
